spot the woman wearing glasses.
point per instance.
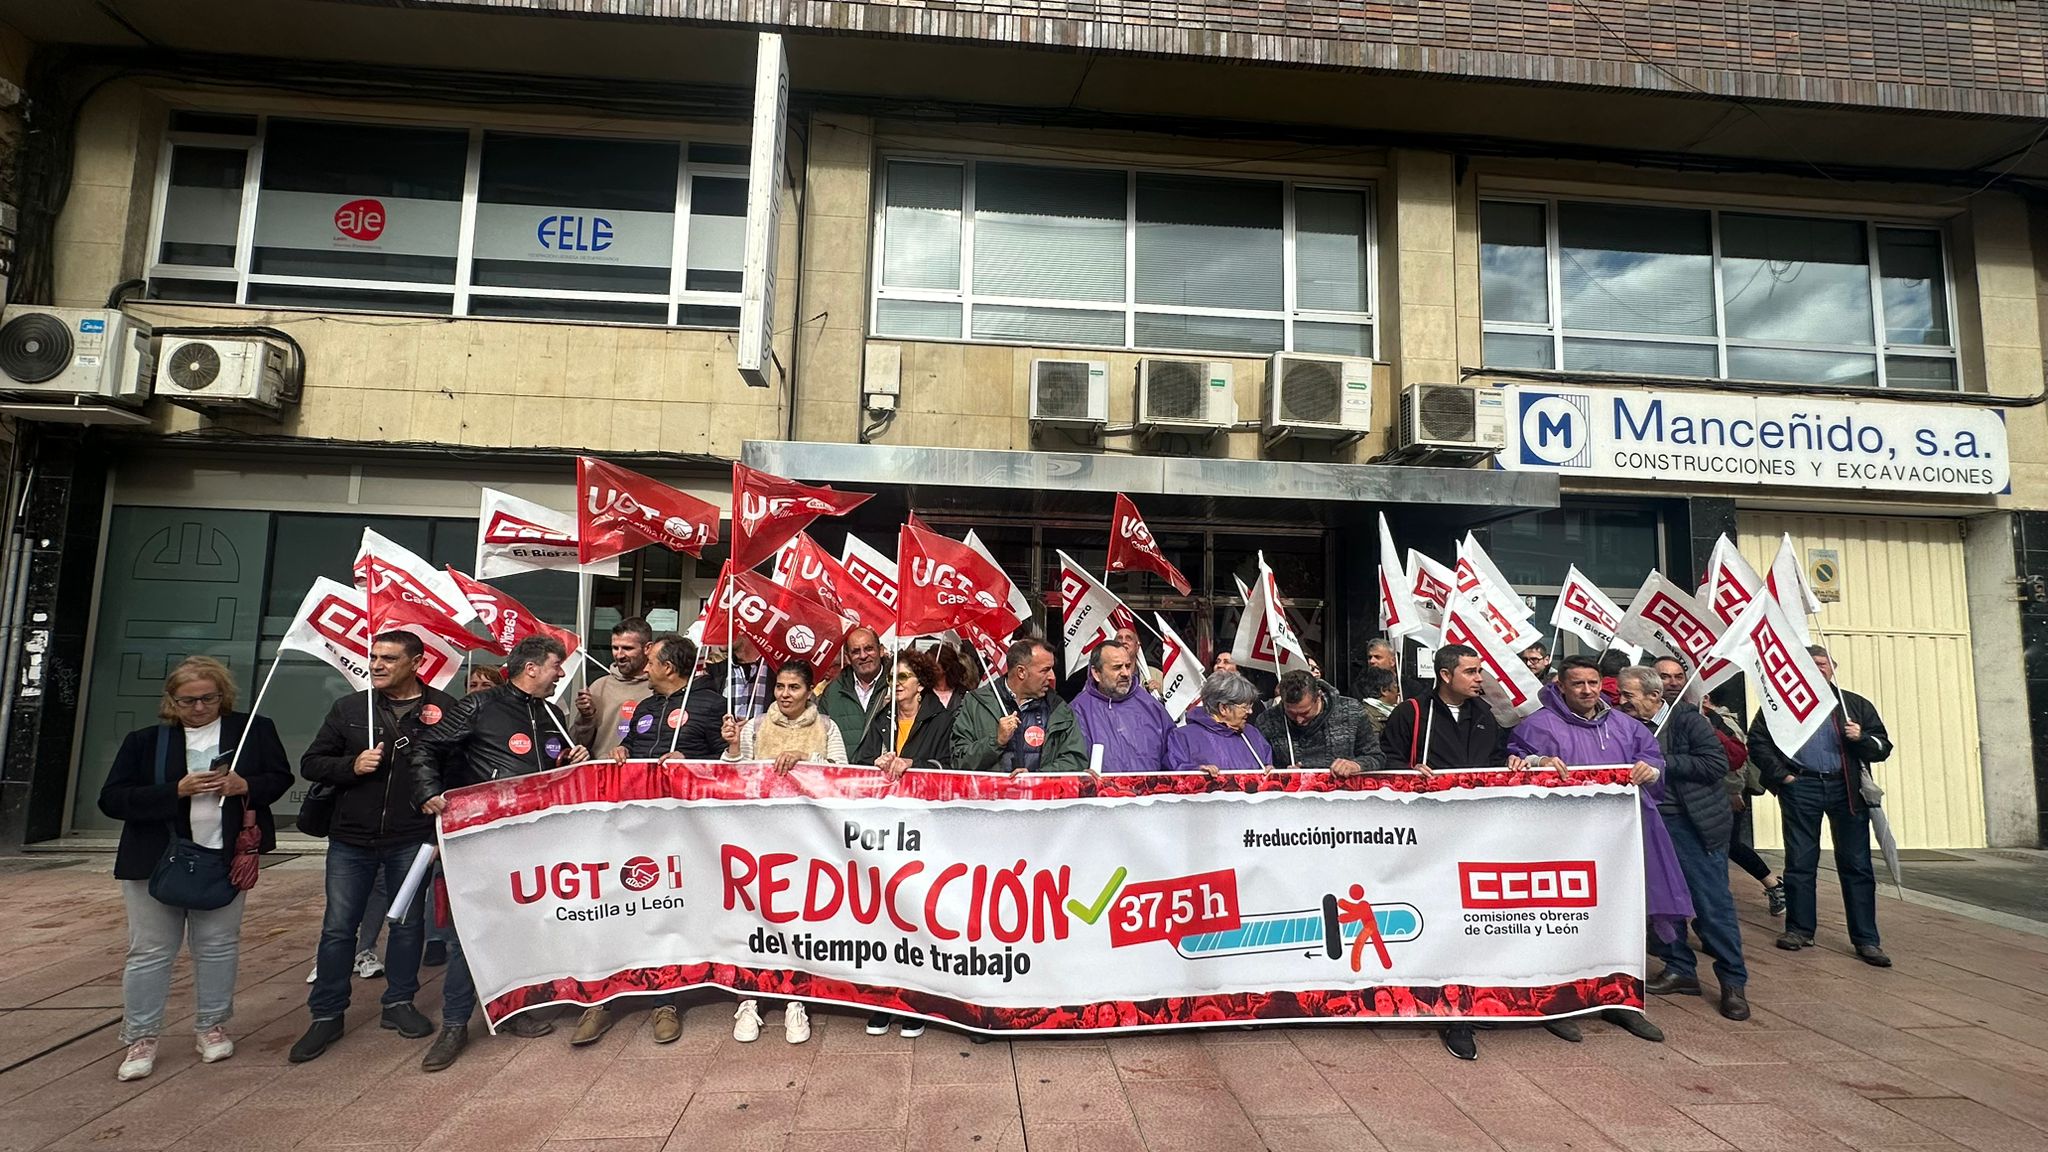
(918, 731)
(1215, 736)
(173, 779)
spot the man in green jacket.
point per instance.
(1016, 724)
(853, 697)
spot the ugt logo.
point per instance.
(1557, 429)
(585, 879)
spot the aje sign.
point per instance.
(1725, 438)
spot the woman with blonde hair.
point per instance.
(178, 787)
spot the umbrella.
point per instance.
(1882, 825)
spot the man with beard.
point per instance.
(604, 709)
(1130, 725)
(1315, 728)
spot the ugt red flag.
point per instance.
(507, 620)
(391, 608)
(768, 510)
(783, 623)
(943, 583)
(619, 510)
(1132, 548)
(812, 571)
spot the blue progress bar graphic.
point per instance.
(1306, 928)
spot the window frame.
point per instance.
(1881, 347)
(1130, 307)
(462, 291)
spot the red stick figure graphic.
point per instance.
(1358, 911)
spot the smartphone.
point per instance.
(221, 762)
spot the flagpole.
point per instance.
(1429, 727)
(369, 686)
(255, 706)
(1683, 689)
(676, 733)
(583, 611)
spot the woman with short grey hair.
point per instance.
(1216, 736)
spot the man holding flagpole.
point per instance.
(1015, 723)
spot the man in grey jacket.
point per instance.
(1315, 728)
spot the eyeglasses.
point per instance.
(196, 701)
(905, 677)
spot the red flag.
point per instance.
(768, 510)
(1132, 548)
(812, 571)
(508, 620)
(943, 583)
(783, 623)
(994, 650)
(620, 510)
(391, 608)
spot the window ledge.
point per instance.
(1754, 387)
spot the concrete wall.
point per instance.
(2004, 721)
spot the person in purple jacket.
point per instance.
(1131, 726)
(1576, 727)
(1217, 735)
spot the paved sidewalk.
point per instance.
(1947, 1051)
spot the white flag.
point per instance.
(382, 565)
(1788, 583)
(1731, 583)
(1796, 698)
(1180, 683)
(333, 625)
(1431, 584)
(875, 572)
(1264, 637)
(1089, 612)
(514, 536)
(1586, 612)
(1668, 621)
(1508, 685)
(1486, 598)
(1400, 618)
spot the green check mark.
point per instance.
(1090, 913)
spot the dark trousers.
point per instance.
(1742, 845)
(1713, 909)
(1803, 803)
(352, 873)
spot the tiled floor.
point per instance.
(1949, 1050)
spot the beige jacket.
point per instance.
(615, 698)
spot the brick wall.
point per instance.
(1973, 56)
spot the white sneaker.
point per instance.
(367, 964)
(746, 1023)
(910, 1028)
(140, 1060)
(214, 1045)
(314, 974)
(796, 1023)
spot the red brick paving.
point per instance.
(1949, 1050)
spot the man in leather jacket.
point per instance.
(509, 730)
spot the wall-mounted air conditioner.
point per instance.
(76, 357)
(1462, 420)
(1186, 396)
(212, 373)
(1070, 393)
(1318, 397)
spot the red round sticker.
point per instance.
(1035, 736)
(520, 744)
(430, 714)
(678, 718)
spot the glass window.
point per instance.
(203, 206)
(1639, 357)
(582, 215)
(1330, 258)
(931, 320)
(1333, 339)
(1612, 546)
(921, 225)
(1514, 263)
(1047, 325)
(1787, 278)
(1915, 299)
(718, 234)
(1631, 269)
(360, 202)
(1049, 233)
(1215, 333)
(1510, 350)
(1210, 243)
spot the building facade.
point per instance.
(502, 236)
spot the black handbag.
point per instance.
(316, 811)
(188, 874)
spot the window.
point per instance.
(446, 221)
(1661, 291)
(1038, 254)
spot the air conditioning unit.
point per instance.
(1198, 396)
(1318, 397)
(211, 373)
(1459, 419)
(1070, 393)
(79, 357)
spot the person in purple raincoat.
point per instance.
(1131, 726)
(1576, 727)
(1217, 735)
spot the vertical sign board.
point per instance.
(764, 210)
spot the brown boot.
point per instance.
(667, 1024)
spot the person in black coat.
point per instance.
(1451, 728)
(928, 743)
(172, 779)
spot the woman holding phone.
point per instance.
(173, 780)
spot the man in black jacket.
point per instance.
(376, 829)
(1317, 729)
(1696, 813)
(1825, 779)
(683, 714)
(509, 730)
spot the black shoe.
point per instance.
(317, 1038)
(1458, 1039)
(526, 1027)
(1776, 895)
(447, 1046)
(406, 1020)
(436, 954)
(1634, 1023)
(1564, 1030)
(1669, 983)
(1793, 941)
(878, 1024)
(1734, 1005)
(1872, 955)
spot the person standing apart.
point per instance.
(171, 780)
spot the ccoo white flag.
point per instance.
(1586, 612)
(1264, 637)
(1180, 683)
(1089, 612)
(1787, 582)
(515, 535)
(1510, 688)
(1732, 582)
(1431, 584)
(383, 565)
(1484, 594)
(1670, 622)
(1796, 698)
(1400, 616)
(333, 625)
(876, 572)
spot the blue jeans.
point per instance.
(458, 987)
(1803, 803)
(352, 874)
(1706, 875)
(155, 932)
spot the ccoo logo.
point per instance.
(1556, 429)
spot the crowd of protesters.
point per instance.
(382, 761)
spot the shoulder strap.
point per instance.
(1415, 734)
(163, 750)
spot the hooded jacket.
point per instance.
(376, 811)
(1339, 732)
(488, 735)
(1132, 731)
(695, 735)
(931, 735)
(1203, 739)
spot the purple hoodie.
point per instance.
(1202, 739)
(1132, 731)
(1612, 737)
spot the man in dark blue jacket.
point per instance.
(1696, 813)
